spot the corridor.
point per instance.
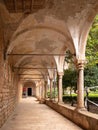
(30, 115)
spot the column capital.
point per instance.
(46, 82)
(80, 64)
(50, 78)
(60, 73)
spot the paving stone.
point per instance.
(30, 115)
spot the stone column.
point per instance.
(43, 92)
(80, 85)
(20, 90)
(55, 73)
(37, 92)
(51, 84)
(45, 88)
(60, 76)
(40, 92)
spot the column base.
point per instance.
(50, 100)
(78, 109)
(42, 101)
(60, 102)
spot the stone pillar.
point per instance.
(43, 92)
(55, 76)
(80, 85)
(60, 76)
(20, 90)
(45, 88)
(51, 84)
(40, 92)
(37, 92)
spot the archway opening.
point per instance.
(29, 91)
(91, 69)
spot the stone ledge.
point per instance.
(84, 119)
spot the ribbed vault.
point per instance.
(49, 30)
(35, 45)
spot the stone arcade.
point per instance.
(34, 38)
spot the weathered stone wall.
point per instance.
(8, 96)
(1, 73)
(7, 87)
(84, 119)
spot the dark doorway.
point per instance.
(29, 91)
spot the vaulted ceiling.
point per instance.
(26, 6)
(35, 31)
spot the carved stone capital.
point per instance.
(46, 82)
(80, 64)
(51, 79)
(60, 73)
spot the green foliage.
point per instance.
(69, 78)
(91, 76)
(70, 98)
(92, 44)
(69, 57)
(92, 97)
(54, 94)
(91, 70)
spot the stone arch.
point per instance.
(32, 85)
(49, 24)
(36, 62)
(85, 30)
(51, 33)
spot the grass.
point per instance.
(92, 96)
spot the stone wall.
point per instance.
(8, 88)
(7, 97)
(84, 119)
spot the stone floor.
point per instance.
(30, 115)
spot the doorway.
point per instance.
(29, 91)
